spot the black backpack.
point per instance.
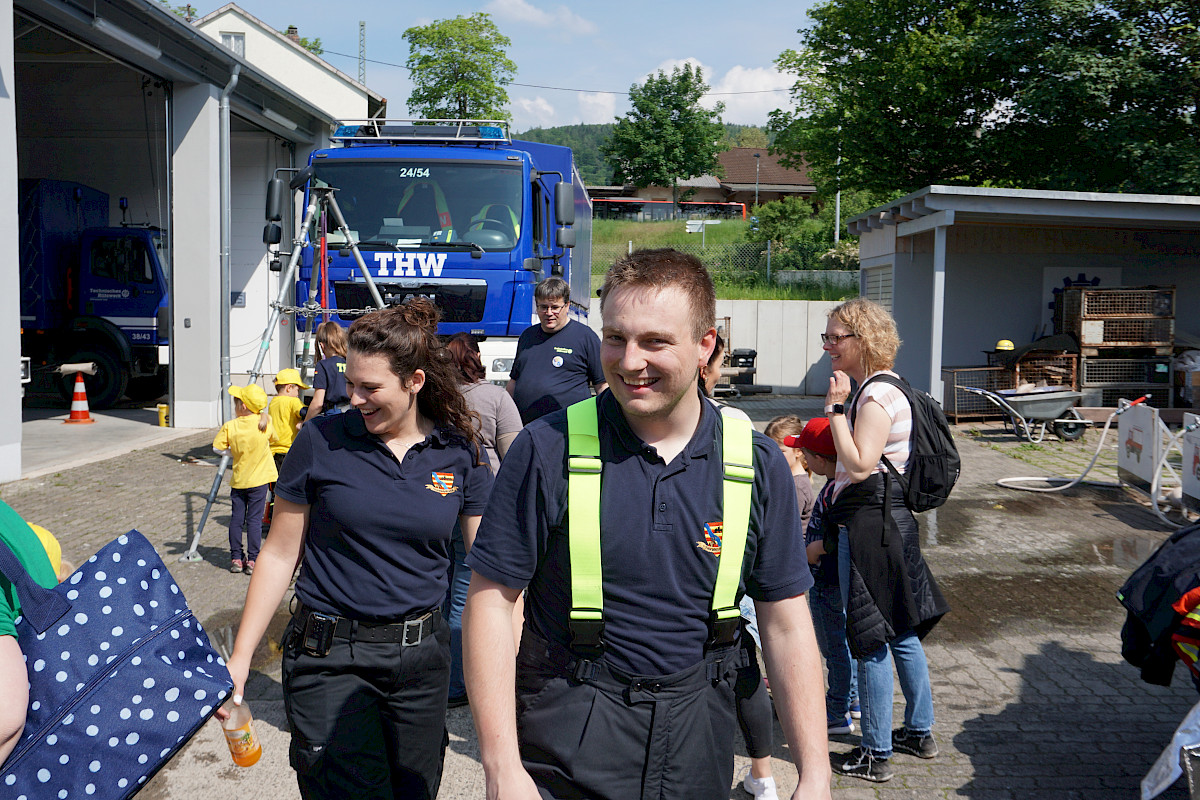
(934, 464)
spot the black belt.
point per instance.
(408, 632)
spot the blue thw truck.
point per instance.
(455, 210)
(92, 292)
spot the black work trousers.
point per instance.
(368, 720)
(594, 732)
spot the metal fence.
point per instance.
(739, 263)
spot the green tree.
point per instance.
(1093, 95)
(751, 136)
(888, 90)
(666, 136)
(459, 68)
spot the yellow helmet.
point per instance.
(1004, 344)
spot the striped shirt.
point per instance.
(895, 404)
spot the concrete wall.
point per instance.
(292, 67)
(786, 334)
(10, 311)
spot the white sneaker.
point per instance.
(760, 788)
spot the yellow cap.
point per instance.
(252, 397)
(286, 376)
(1004, 344)
(50, 545)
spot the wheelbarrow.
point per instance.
(1030, 412)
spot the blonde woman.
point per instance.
(891, 598)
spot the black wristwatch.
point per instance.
(836, 408)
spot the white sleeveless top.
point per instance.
(896, 405)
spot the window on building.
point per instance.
(235, 42)
(877, 285)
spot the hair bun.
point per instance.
(420, 312)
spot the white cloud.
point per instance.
(752, 107)
(560, 18)
(532, 112)
(752, 103)
(597, 107)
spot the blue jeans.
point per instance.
(875, 678)
(456, 598)
(829, 622)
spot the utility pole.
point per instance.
(757, 156)
(362, 52)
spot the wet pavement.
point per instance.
(1031, 694)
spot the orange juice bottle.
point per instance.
(240, 736)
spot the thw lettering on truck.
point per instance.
(405, 265)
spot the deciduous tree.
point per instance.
(666, 136)
(459, 69)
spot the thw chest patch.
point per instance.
(711, 543)
(442, 483)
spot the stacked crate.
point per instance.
(1125, 336)
(960, 405)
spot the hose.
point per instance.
(1158, 468)
(1010, 483)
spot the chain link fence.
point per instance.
(732, 264)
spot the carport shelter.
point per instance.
(964, 267)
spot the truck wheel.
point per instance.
(104, 388)
(144, 389)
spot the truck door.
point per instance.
(121, 283)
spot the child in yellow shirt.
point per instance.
(287, 412)
(248, 437)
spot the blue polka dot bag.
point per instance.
(121, 676)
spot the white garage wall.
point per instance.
(253, 160)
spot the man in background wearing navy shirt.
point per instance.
(651, 712)
(556, 359)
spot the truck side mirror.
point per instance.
(564, 203)
(565, 237)
(272, 233)
(275, 199)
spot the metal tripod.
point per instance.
(320, 198)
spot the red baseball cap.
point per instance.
(816, 438)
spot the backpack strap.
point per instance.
(737, 459)
(584, 470)
(902, 385)
(41, 606)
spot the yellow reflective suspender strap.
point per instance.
(583, 519)
(584, 470)
(737, 455)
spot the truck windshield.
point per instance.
(413, 203)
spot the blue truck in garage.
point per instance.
(92, 292)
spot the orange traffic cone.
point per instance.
(79, 406)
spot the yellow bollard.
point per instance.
(164, 415)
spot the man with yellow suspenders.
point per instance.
(636, 520)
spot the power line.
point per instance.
(564, 88)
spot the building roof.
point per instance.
(740, 168)
(917, 212)
(376, 99)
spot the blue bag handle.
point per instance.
(41, 606)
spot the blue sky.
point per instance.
(602, 48)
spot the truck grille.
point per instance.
(458, 302)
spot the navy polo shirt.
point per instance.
(554, 370)
(378, 541)
(659, 568)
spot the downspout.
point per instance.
(223, 299)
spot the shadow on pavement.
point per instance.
(1094, 727)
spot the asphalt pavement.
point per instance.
(1031, 694)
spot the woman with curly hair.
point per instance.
(368, 500)
(890, 596)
